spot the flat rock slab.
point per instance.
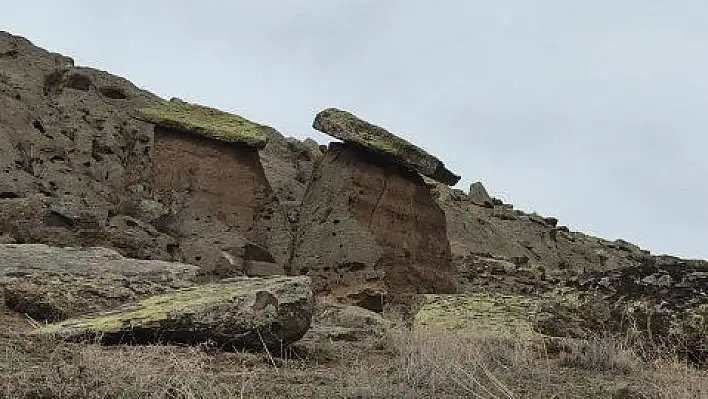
(51, 284)
(348, 127)
(239, 313)
(204, 121)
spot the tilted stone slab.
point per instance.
(349, 128)
(204, 121)
(52, 284)
(234, 314)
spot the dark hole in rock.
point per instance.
(55, 219)
(79, 82)
(131, 223)
(35, 307)
(370, 301)
(56, 158)
(197, 258)
(304, 271)
(10, 53)
(8, 195)
(335, 221)
(114, 93)
(38, 125)
(256, 253)
(87, 164)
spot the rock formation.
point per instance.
(207, 173)
(236, 313)
(88, 159)
(52, 284)
(369, 230)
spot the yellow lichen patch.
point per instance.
(204, 121)
(479, 311)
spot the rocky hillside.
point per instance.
(87, 159)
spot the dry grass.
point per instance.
(424, 364)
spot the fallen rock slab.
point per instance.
(238, 313)
(51, 284)
(348, 127)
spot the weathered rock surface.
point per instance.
(50, 284)
(369, 230)
(346, 126)
(664, 299)
(233, 314)
(333, 321)
(204, 121)
(78, 168)
(478, 195)
(508, 251)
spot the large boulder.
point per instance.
(346, 126)
(235, 313)
(370, 232)
(50, 284)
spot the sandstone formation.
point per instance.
(89, 160)
(370, 231)
(234, 313)
(51, 284)
(207, 172)
(80, 166)
(345, 126)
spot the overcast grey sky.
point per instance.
(593, 112)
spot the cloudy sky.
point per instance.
(593, 112)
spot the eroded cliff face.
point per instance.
(221, 206)
(370, 230)
(78, 169)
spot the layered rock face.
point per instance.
(369, 231)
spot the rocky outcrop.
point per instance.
(51, 284)
(221, 206)
(237, 313)
(664, 299)
(88, 159)
(370, 230)
(505, 250)
(346, 126)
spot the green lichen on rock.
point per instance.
(345, 126)
(236, 313)
(492, 312)
(204, 121)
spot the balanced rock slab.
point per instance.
(370, 231)
(348, 127)
(204, 121)
(234, 313)
(51, 284)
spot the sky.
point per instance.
(592, 112)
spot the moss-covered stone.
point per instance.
(234, 313)
(346, 126)
(204, 121)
